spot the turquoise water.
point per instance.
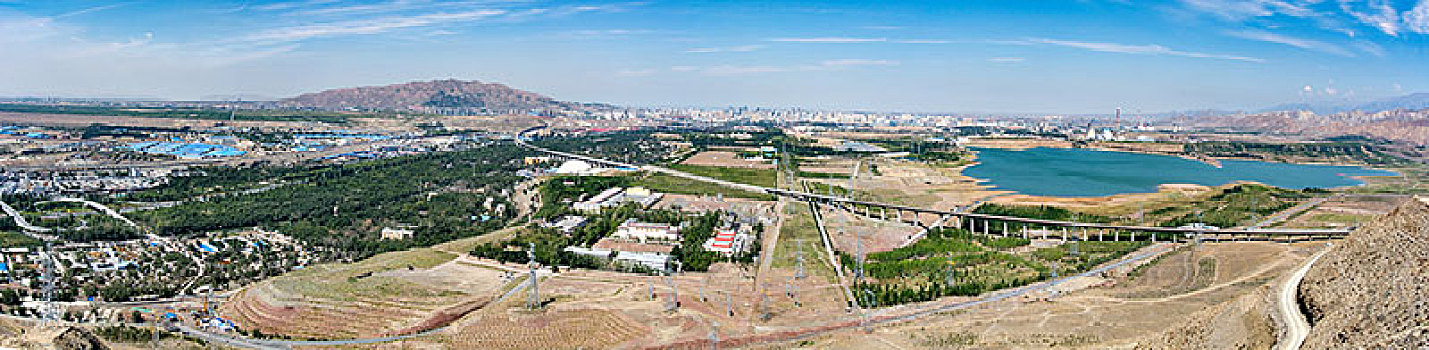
(1070, 172)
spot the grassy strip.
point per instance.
(671, 184)
(751, 176)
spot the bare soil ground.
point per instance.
(726, 159)
(1344, 212)
(392, 293)
(873, 235)
(1096, 314)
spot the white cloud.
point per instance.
(89, 10)
(922, 41)
(634, 72)
(1243, 9)
(1308, 44)
(1006, 59)
(364, 26)
(1376, 13)
(852, 62)
(826, 65)
(278, 6)
(725, 70)
(1134, 49)
(741, 48)
(1417, 19)
(828, 40)
(601, 33)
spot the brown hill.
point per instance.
(1398, 125)
(1372, 290)
(438, 97)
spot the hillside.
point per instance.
(1410, 102)
(1400, 125)
(1369, 292)
(436, 97)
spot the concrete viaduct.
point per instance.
(1006, 226)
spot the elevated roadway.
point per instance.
(1066, 230)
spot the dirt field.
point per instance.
(393, 293)
(1344, 212)
(1098, 313)
(726, 159)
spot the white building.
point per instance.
(728, 241)
(647, 232)
(603, 200)
(655, 261)
(396, 233)
(567, 224)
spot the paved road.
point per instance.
(1296, 328)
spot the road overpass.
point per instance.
(986, 223)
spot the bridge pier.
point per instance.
(1116, 236)
(984, 226)
(883, 213)
(1064, 234)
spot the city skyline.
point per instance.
(1014, 57)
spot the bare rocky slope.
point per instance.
(437, 96)
(1242, 323)
(1372, 290)
(1397, 125)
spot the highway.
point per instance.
(1296, 327)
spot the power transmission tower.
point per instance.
(799, 259)
(48, 315)
(674, 292)
(533, 297)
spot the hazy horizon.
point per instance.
(1022, 57)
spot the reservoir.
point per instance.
(1072, 172)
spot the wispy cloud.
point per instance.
(1241, 9)
(1133, 49)
(1308, 44)
(851, 62)
(1417, 19)
(1006, 59)
(364, 26)
(741, 48)
(1375, 13)
(635, 72)
(826, 65)
(279, 6)
(828, 40)
(600, 33)
(90, 10)
(922, 41)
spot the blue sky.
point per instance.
(1036, 56)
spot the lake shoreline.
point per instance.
(1059, 172)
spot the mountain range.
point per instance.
(1410, 101)
(449, 96)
